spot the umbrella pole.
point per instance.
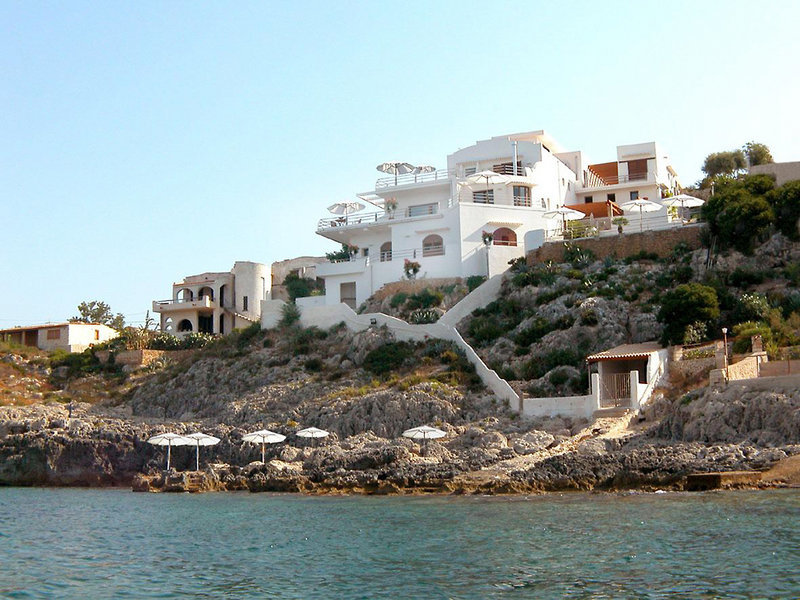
(262, 453)
(641, 218)
(169, 449)
(197, 457)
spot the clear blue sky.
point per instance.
(146, 141)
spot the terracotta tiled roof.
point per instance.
(627, 351)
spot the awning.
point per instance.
(626, 352)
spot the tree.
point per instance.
(301, 287)
(785, 202)
(757, 154)
(739, 214)
(724, 163)
(687, 305)
(99, 312)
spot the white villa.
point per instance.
(502, 186)
(216, 302)
(72, 336)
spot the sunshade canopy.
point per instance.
(424, 432)
(313, 432)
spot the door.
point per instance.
(347, 294)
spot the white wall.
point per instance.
(568, 406)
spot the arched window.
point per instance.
(185, 295)
(386, 252)
(433, 246)
(206, 292)
(168, 325)
(185, 325)
(503, 236)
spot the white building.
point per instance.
(72, 337)
(438, 218)
(216, 302)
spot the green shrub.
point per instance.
(422, 316)
(165, 341)
(745, 331)
(589, 317)
(559, 377)
(314, 364)
(290, 314)
(196, 340)
(427, 298)
(398, 299)
(538, 328)
(392, 355)
(742, 278)
(474, 281)
(537, 367)
(751, 307)
(686, 304)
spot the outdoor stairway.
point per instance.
(195, 481)
(613, 411)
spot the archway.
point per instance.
(504, 236)
(184, 295)
(185, 325)
(433, 245)
(206, 292)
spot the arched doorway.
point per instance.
(206, 292)
(185, 325)
(222, 291)
(184, 295)
(432, 245)
(504, 236)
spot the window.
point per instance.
(96, 334)
(588, 200)
(244, 302)
(470, 171)
(365, 252)
(53, 334)
(484, 197)
(386, 252)
(612, 197)
(508, 168)
(522, 195)
(635, 195)
(185, 325)
(421, 210)
(504, 237)
(433, 246)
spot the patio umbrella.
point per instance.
(313, 433)
(424, 433)
(169, 440)
(345, 208)
(488, 178)
(684, 201)
(395, 167)
(201, 439)
(263, 436)
(643, 205)
(423, 169)
(566, 214)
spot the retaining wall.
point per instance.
(619, 246)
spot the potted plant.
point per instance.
(619, 222)
(391, 206)
(411, 268)
(353, 251)
(487, 238)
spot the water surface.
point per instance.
(74, 543)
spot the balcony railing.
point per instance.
(617, 179)
(423, 210)
(412, 178)
(522, 201)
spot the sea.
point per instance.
(112, 543)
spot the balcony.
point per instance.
(439, 176)
(342, 267)
(165, 306)
(380, 217)
(609, 180)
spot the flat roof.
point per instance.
(48, 326)
(626, 351)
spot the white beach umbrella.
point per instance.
(683, 201)
(313, 433)
(424, 169)
(643, 205)
(487, 178)
(201, 439)
(565, 214)
(424, 432)
(395, 167)
(346, 207)
(169, 440)
(263, 436)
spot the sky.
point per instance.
(146, 141)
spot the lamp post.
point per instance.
(725, 348)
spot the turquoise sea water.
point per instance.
(67, 543)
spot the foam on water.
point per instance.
(62, 543)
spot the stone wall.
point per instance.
(780, 368)
(139, 358)
(619, 246)
(413, 287)
(747, 368)
(692, 367)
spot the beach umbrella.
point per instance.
(565, 214)
(313, 433)
(169, 440)
(683, 201)
(487, 178)
(345, 208)
(419, 170)
(395, 167)
(263, 436)
(201, 439)
(643, 205)
(424, 433)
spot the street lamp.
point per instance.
(725, 348)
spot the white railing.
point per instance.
(413, 253)
(345, 220)
(598, 181)
(205, 299)
(411, 178)
(360, 219)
